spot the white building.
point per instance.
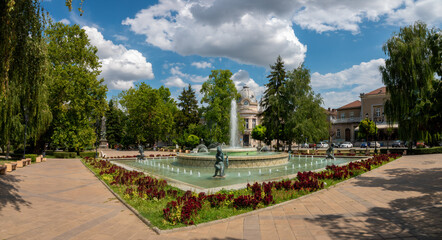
(248, 109)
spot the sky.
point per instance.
(179, 42)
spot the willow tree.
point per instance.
(409, 75)
(24, 73)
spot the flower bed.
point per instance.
(169, 207)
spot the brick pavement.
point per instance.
(60, 199)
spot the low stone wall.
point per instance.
(235, 161)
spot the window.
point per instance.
(247, 122)
(342, 115)
(352, 115)
(338, 133)
(254, 123)
(246, 102)
(378, 112)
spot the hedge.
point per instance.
(87, 154)
(50, 152)
(415, 151)
(432, 150)
(31, 156)
(65, 154)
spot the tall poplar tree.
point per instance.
(409, 76)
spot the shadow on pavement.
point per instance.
(9, 193)
(419, 216)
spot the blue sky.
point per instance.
(177, 42)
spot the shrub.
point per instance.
(87, 154)
(432, 150)
(31, 156)
(65, 154)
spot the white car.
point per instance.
(322, 145)
(374, 144)
(346, 145)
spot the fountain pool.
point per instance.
(201, 177)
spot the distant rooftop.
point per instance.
(381, 90)
(354, 104)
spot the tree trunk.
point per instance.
(8, 146)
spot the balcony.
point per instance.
(347, 120)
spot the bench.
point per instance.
(20, 164)
(2, 169)
(10, 166)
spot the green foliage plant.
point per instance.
(218, 92)
(367, 128)
(259, 133)
(77, 97)
(413, 59)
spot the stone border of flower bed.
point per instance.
(159, 231)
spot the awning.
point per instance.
(382, 126)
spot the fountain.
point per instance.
(239, 157)
(249, 164)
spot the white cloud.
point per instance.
(174, 81)
(428, 11)
(121, 67)
(252, 32)
(343, 87)
(65, 21)
(242, 78)
(202, 64)
(121, 38)
(175, 70)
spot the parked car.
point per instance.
(374, 144)
(312, 145)
(397, 143)
(364, 145)
(346, 145)
(335, 145)
(322, 145)
(304, 145)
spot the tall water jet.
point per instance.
(233, 124)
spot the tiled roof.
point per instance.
(354, 104)
(381, 90)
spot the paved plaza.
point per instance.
(61, 199)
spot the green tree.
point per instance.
(409, 74)
(304, 116)
(259, 133)
(192, 140)
(77, 97)
(115, 120)
(367, 128)
(272, 102)
(23, 73)
(218, 92)
(150, 113)
(188, 113)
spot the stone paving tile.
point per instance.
(60, 199)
